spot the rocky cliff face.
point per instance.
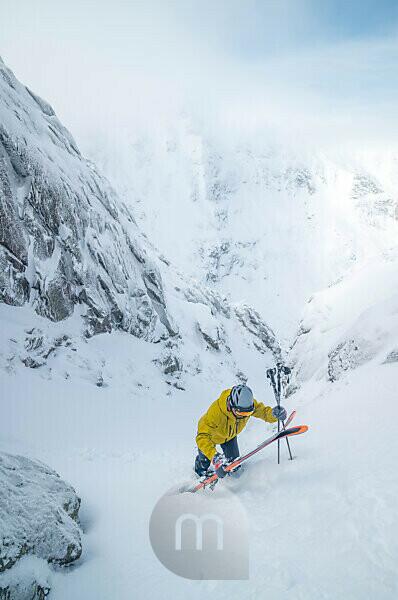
(64, 240)
(67, 243)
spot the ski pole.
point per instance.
(287, 442)
(271, 376)
(277, 388)
(286, 371)
(279, 444)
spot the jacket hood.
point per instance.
(222, 403)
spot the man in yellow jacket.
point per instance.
(221, 424)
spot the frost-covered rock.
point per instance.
(65, 240)
(70, 247)
(263, 337)
(392, 357)
(38, 514)
(208, 327)
(350, 323)
(348, 355)
(29, 579)
(38, 347)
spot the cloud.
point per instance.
(277, 68)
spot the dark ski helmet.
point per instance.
(241, 400)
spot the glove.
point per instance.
(218, 463)
(279, 413)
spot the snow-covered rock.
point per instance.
(69, 246)
(38, 513)
(64, 238)
(38, 517)
(208, 327)
(29, 579)
(264, 337)
(350, 323)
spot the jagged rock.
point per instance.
(100, 380)
(218, 304)
(391, 357)
(264, 338)
(364, 184)
(29, 579)
(38, 347)
(208, 327)
(38, 526)
(213, 340)
(300, 178)
(241, 377)
(63, 238)
(38, 513)
(225, 257)
(346, 356)
(171, 365)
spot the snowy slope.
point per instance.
(261, 221)
(321, 526)
(74, 265)
(116, 414)
(101, 414)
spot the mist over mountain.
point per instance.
(254, 218)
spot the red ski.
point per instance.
(277, 436)
(289, 419)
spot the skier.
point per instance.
(224, 420)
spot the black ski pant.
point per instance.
(230, 449)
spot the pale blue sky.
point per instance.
(290, 60)
(257, 28)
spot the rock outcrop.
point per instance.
(350, 324)
(38, 518)
(65, 240)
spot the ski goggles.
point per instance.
(242, 413)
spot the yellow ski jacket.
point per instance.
(218, 424)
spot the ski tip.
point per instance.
(299, 429)
(294, 430)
